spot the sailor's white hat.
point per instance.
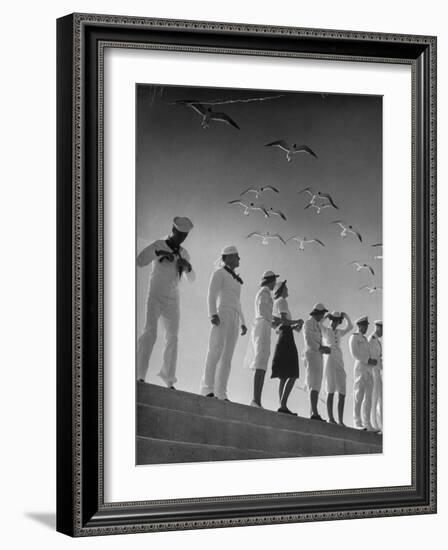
(230, 249)
(362, 320)
(335, 315)
(319, 308)
(182, 224)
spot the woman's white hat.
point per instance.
(269, 274)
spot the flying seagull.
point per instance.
(291, 150)
(249, 207)
(319, 207)
(277, 213)
(266, 237)
(318, 199)
(208, 114)
(259, 190)
(360, 266)
(304, 240)
(380, 257)
(371, 289)
(347, 228)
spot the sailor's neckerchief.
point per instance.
(176, 251)
(234, 275)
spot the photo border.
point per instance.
(81, 510)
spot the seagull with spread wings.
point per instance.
(304, 240)
(291, 149)
(347, 228)
(249, 207)
(318, 199)
(259, 190)
(360, 266)
(278, 213)
(371, 289)
(266, 237)
(320, 207)
(208, 115)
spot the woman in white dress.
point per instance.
(285, 363)
(261, 334)
(334, 372)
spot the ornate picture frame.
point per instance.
(81, 506)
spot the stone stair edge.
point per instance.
(322, 429)
(242, 423)
(214, 446)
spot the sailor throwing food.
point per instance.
(314, 350)
(376, 352)
(169, 262)
(363, 378)
(225, 313)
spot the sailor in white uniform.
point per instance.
(261, 333)
(169, 262)
(376, 352)
(334, 372)
(313, 356)
(226, 316)
(363, 378)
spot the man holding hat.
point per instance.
(169, 262)
(376, 352)
(261, 333)
(313, 355)
(334, 372)
(224, 308)
(363, 379)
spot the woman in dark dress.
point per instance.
(285, 363)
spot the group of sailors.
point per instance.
(322, 335)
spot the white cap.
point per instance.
(379, 322)
(269, 274)
(319, 307)
(335, 314)
(362, 320)
(230, 249)
(184, 225)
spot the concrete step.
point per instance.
(168, 452)
(167, 424)
(175, 426)
(150, 394)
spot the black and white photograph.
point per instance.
(258, 300)
(210, 210)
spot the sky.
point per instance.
(185, 170)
